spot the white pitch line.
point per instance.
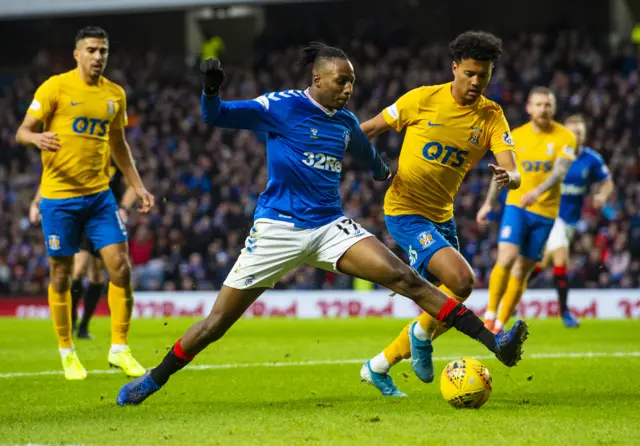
(559, 355)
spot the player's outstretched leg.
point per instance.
(120, 298)
(230, 304)
(401, 347)
(369, 259)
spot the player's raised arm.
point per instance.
(397, 116)
(43, 104)
(250, 115)
(121, 153)
(366, 153)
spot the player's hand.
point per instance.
(385, 175)
(147, 200)
(500, 176)
(47, 141)
(212, 76)
(34, 214)
(124, 215)
(483, 214)
(599, 201)
(529, 198)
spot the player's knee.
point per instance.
(120, 271)
(464, 284)
(507, 259)
(60, 275)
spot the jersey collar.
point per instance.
(329, 113)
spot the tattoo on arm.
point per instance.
(492, 194)
(558, 173)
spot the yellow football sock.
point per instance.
(60, 307)
(512, 296)
(497, 286)
(121, 307)
(400, 348)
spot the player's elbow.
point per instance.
(368, 129)
(20, 137)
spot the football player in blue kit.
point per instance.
(588, 169)
(299, 217)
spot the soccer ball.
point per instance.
(465, 383)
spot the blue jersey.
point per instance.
(305, 148)
(587, 169)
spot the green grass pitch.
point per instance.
(290, 382)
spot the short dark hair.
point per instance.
(91, 32)
(477, 45)
(318, 50)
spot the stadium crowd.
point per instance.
(206, 181)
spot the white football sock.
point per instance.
(499, 325)
(379, 364)
(117, 348)
(419, 332)
(489, 315)
(65, 351)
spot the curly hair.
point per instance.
(477, 45)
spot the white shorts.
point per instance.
(274, 248)
(560, 236)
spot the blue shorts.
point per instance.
(421, 238)
(527, 230)
(65, 220)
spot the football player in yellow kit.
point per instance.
(77, 120)
(449, 128)
(545, 151)
(88, 262)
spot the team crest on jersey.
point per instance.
(550, 149)
(475, 135)
(347, 138)
(314, 133)
(54, 243)
(425, 239)
(111, 106)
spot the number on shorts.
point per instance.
(346, 226)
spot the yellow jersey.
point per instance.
(442, 142)
(537, 153)
(82, 116)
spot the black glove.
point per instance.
(212, 76)
(386, 171)
(384, 175)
